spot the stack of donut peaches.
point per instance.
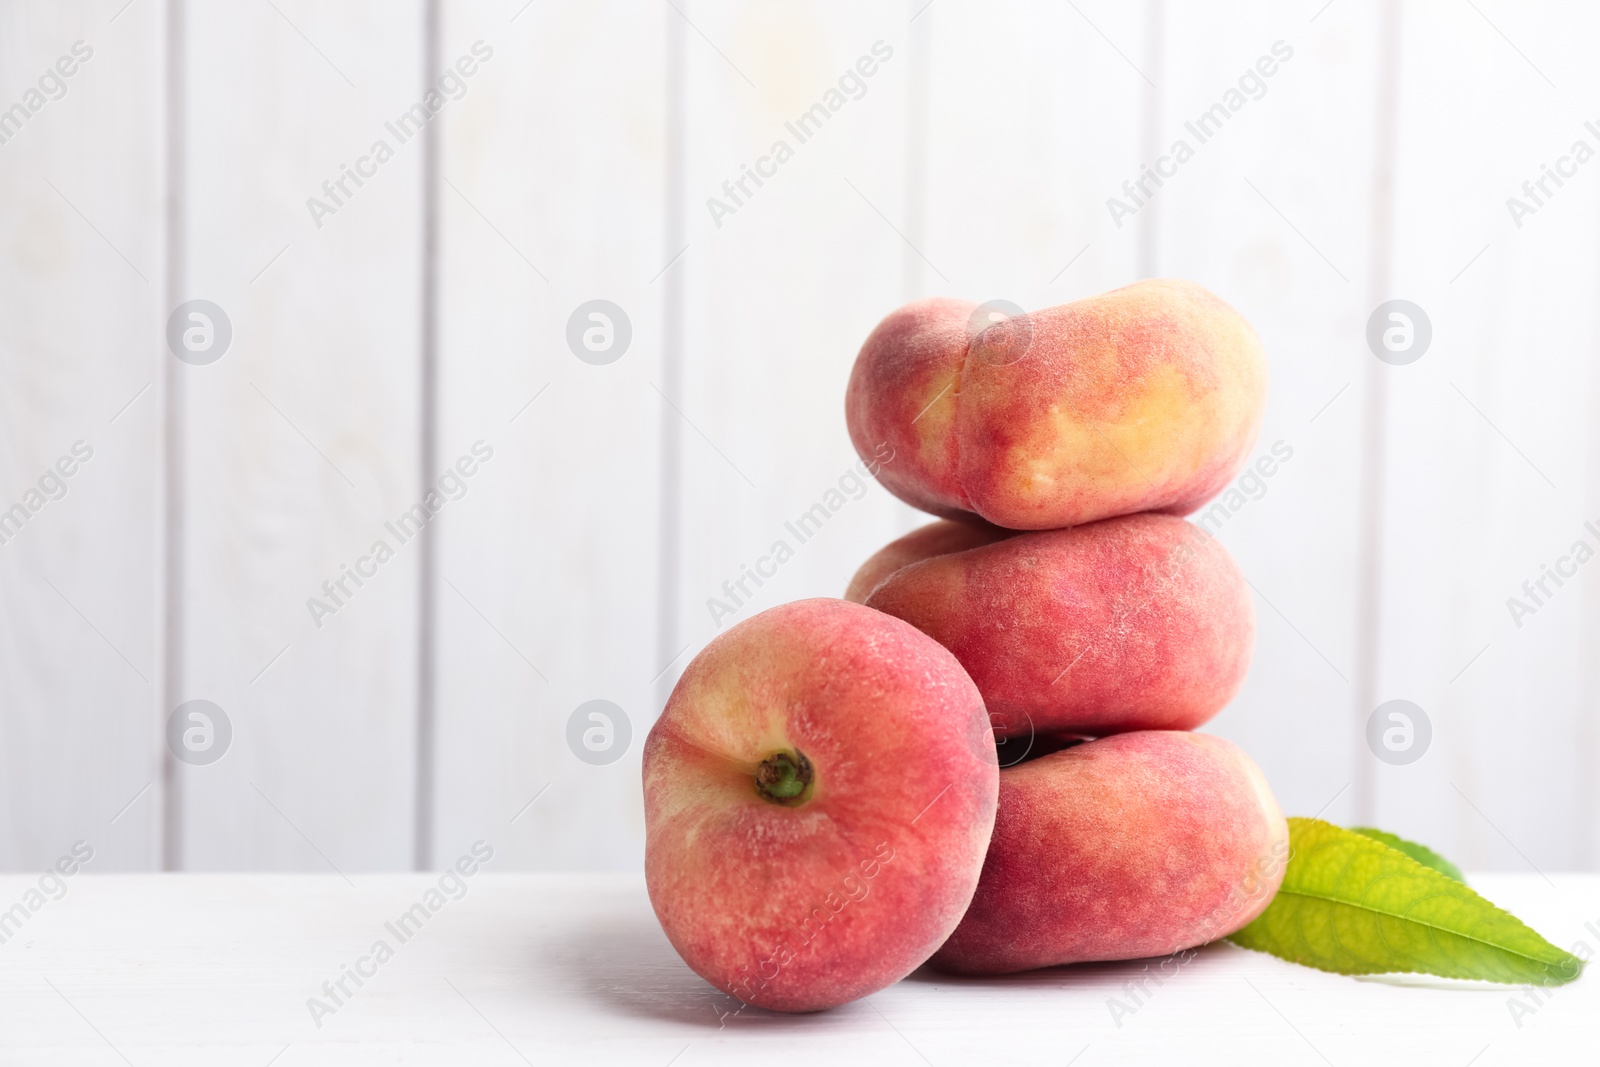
(982, 759)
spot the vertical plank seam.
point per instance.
(1374, 449)
(916, 178)
(427, 449)
(172, 631)
(919, 50)
(1154, 53)
(1586, 745)
(675, 225)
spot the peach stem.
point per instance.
(784, 778)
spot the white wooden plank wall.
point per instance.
(584, 158)
(780, 293)
(1274, 212)
(1491, 466)
(302, 440)
(81, 359)
(554, 164)
(308, 395)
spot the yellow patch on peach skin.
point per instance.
(1130, 458)
(1130, 453)
(933, 417)
(1277, 846)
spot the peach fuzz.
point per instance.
(819, 793)
(935, 539)
(1146, 398)
(1142, 622)
(1138, 845)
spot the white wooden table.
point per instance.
(217, 970)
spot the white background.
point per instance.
(576, 166)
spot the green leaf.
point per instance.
(1352, 905)
(1421, 853)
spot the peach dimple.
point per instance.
(901, 401)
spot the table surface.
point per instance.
(561, 968)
